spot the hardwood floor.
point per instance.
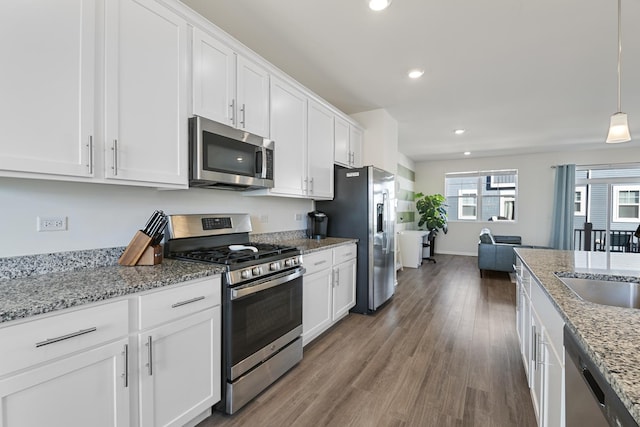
(442, 352)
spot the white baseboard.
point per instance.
(456, 253)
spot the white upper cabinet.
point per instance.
(47, 86)
(214, 79)
(355, 142)
(253, 97)
(228, 88)
(348, 144)
(146, 96)
(289, 131)
(342, 149)
(320, 152)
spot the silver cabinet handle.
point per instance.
(150, 355)
(189, 301)
(65, 337)
(233, 112)
(125, 354)
(242, 110)
(311, 185)
(320, 262)
(90, 146)
(115, 157)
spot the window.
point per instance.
(482, 195)
(467, 204)
(626, 203)
(579, 200)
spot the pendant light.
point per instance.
(619, 126)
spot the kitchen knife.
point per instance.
(150, 222)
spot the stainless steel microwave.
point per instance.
(228, 158)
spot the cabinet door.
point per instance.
(146, 118)
(289, 131)
(320, 152)
(47, 86)
(344, 288)
(355, 142)
(342, 152)
(253, 98)
(214, 79)
(536, 367)
(316, 304)
(553, 388)
(180, 369)
(87, 389)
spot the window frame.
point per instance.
(484, 182)
(616, 189)
(465, 194)
(582, 190)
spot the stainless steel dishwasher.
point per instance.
(589, 399)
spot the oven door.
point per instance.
(262, 318)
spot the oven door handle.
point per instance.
(270, 283)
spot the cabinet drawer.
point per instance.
(38, 341)
(317, 261)
(175, 302)
(344, 253)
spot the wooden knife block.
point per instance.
(151, 256)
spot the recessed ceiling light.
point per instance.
(415, 74)
(467, 153)
(459, 131)
(378, 5)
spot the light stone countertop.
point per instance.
(610, 335)
(38, 284)
(38, 294)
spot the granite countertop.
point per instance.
(610, 335)
(43, 293)
(314, 245)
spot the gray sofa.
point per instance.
(496, 252)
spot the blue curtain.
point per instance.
(563, 207)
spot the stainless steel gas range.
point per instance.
(262, 300)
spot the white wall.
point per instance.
(380, 139)
(101, 216)
(536, 181)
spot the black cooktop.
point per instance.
(236, 257)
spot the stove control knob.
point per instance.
(274, 266)
(257, 271)
(246, 274)
(290, 262)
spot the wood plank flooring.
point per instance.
(442, 352)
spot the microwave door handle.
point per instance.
(263, 170)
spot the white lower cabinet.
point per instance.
(151, 359)
(540, 330)
(86, 389)
(329, 289)
(67, 369)
(178, 370)
(179, 353)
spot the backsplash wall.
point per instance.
(103, 216)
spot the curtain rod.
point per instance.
(604, 166)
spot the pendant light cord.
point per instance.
(619, 50)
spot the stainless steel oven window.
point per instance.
(259, 319)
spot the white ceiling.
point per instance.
(519, 76)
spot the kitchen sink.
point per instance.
(606, 292)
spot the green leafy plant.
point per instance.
(433, 212)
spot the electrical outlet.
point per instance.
(298, 217)
(264, 219)
(52, 223)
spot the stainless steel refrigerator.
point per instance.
(363, 207)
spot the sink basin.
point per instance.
(606, 292)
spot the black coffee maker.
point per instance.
(317, 225)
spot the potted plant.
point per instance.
(433, 212)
